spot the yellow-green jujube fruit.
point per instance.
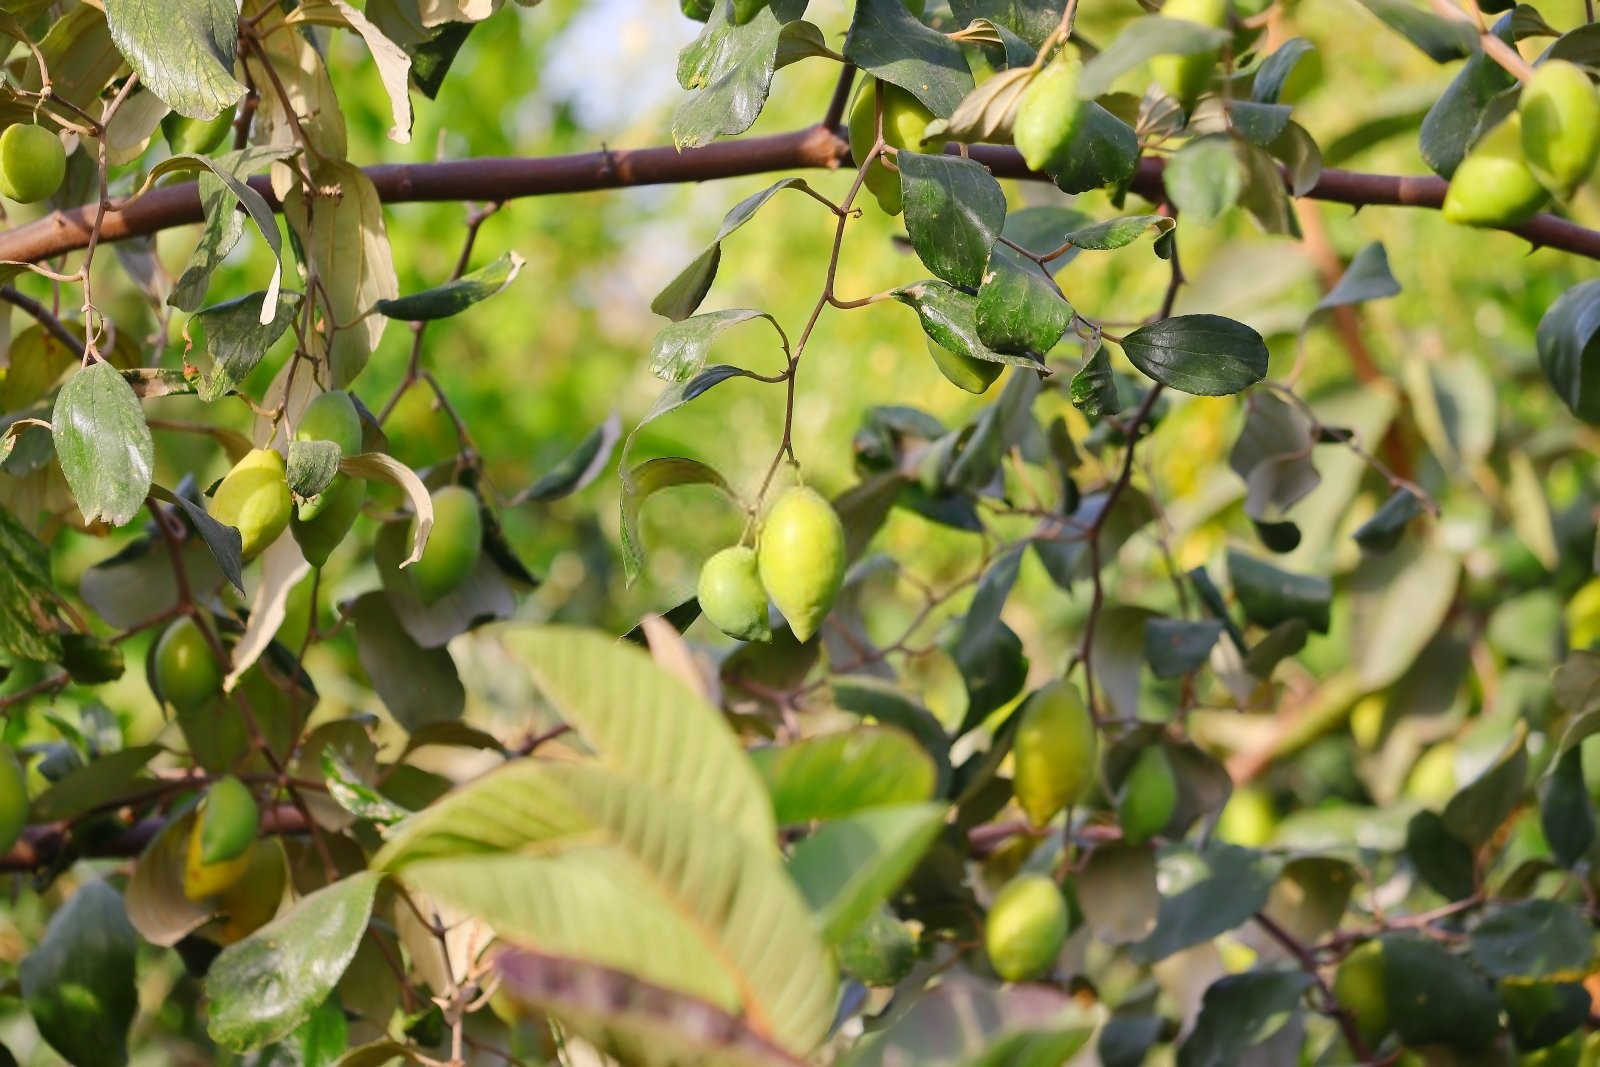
(1494, 186)
(1148, 797)
(187, 673)
(1026, 927)
(1248, 818)
(904, 119)
(202, 879)
(195, 137)
(451, 553)
(966, 372)
(731, 595)
(254, 497)
(228, 820)
(320, 530)
(13, 799)
(1054, 753)
(801, 558)
(32, 163)
(331, 416)
(1185, 77)
(1049, 114)
(1358, 985)
(1560, 125)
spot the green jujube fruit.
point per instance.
(13, 799)
(187, 673)
(254, 498)
(202, 879)
(331, 416)
(801, 558)
(1560, 125)
(228, 819)
(320, 530)
(731, 595)
(904, 119)
(1049, 114)
(451, 553)
(32, 163)
(1359, 986)
(1185, 77)
(1148, 797)
(195, 137)
(1025, 928)
(966, 372)
(878, 952)
(1054, 752)
(1494, 186)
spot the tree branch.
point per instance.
(509, 178)
(42, 847)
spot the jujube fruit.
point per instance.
(904, 119)
(187, 673)
(1049, 114)
(228, 820)
(1148, 796)
(878, 952)
(1247, 819)
(13, 799)
(32, 163)
(1025, 928)
(195, 137)
(731, 595)
(1185, 77)
(254, 497)
(1054, 752)
(1359, 987)
(451, 553)
(1560, 125)
(321, 529)
(966, 372)
(1494, 186)
(331, 416)
(801, 558)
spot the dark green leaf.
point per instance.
(953, 211)
(949, 318)
(78, 982)
(455, 296)
(1536, 938)
(1270, 596)
(1569, 351)
(982, 626)
(1207, 355)
(996, 431)
(1566, 811)
(103, 443)
(26, 594)
(1542, 1013)
(1206, 893)
(311, 466)
(110, 778)
(1273, 456)
(1442, 860)
(579, 469)
(417, 685)
(262, 988)
(1174, 647)
(1258, 123)
(1477, 811)
(222, 187)
(236, 339)
(992, 674)
(183, 52)
(1031, 20)
(1441, 39)
(1276, 68)
(1368, 277)
(1118, 232)
(1094, 387)
(1451, 124)
(1019, 310)
(1383, 531)
(1239, 1012)
(1211, 597)
(1103, 151)
(1283, 641)
(1063, 546)
(888, 42)
(683, 294)
(1141, 39)
(91, 660)
(728, 70)
(1418, 977)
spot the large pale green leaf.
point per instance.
(455, 296)
(262, 988)
(182, 50)
(848, 867)
(103, 443)
(647, 725)
(833, 775)
(78, 982)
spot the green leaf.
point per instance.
(1094, 387)
(78, 982)
(728, 70)
(679, 351)
(1479, 809)
(1530, 939)
(1274, 71)
(1282, 641)
(831, 776)
(456, 295)
(1019, 309)
(417, 685)
(954, 209)
(888, 42)
(1031, 20)
(236, 339)
(154, 897)
(1383, 531)
(684, 293)
(103, 781)
(1258, 123)
(1566, 811)
(221, 185)
(1418, 976)
(1368, 277)
(648, 477)
(26, 593)
(356, 796)
(1207, 355)
(1103, 151)
(262, 988)
(1444, 861)
(1204, 178)
(1398, 602)
(103, 444)
(311, 466)
(848, 867)
(872, 697)
(1569, 351)
(1451, 124)
(1118, 232)
(1140, 40)
(1441, 39)
(1064, 550)
(1273, 456)
(1270, 596)
(1174, 647)
(645, 724)
(633, 1021)
(183, 52)
(1117, 892)
(1204, 894)
(1239, 1012)
(577, 470)
(998, 429)
(950, 318)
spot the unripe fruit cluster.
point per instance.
(1548, 147)
(799, 563)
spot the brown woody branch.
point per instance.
(508, 178)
